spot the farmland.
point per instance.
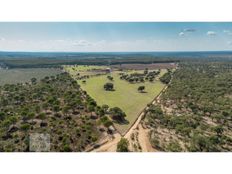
(13, 76)
(125, 95)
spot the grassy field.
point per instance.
(11, 76)
(125, 95)
(82, 68)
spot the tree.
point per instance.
(117, 114)
(110, 78)
(146, 71)
(141, 88)
(174, 146)
(33, 81)
(122, 145)
(2, 115)
(42, 116)
(106, 121)
(109, 86)
(166, 78)
(105, 108)
(200, 143)
(219, 130)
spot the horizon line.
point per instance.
(115, 51)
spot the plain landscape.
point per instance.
(137, 102)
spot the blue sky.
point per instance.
(104, 37)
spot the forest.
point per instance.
(195, 112)
(54, 105)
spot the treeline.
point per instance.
(38, 60)
(50, 62)
(166, 78)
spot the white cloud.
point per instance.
(59, 40)
(189, 30)
(181, 34)
(211, 33)
(2, 39)
(229, 42)
(82, 43)
(227, 32)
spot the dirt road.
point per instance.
(143, 138)
(110, 146)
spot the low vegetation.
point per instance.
(54, 105)
(123, 145)
(13, 76)
(194, 113)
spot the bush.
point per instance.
(42, 116)
(105, 121)
(117, 114)
(25, 126)
(109, 86)
(174, 147)
(67, 148)
(122, 145)
(2, 115)
(141, 88)
(166, 78)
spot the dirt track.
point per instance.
(143, 138)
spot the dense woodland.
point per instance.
(195, 112)
(55, 59)
(55, 106)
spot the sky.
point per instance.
(115, 36)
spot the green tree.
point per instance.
(117, 114)
(109, 86)
(122, 145)
(218, 129)
(141, 88)
(33, 81)
(110, 78)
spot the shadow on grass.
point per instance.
(124, 122)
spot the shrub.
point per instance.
(122, 145)
(109, 86)
(25, 127)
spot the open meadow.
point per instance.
(13, 76)
(125, 95)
